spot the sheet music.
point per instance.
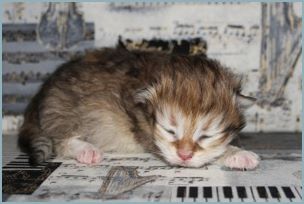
(142, 177)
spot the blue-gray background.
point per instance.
(261, 41)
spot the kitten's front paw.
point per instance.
(89, 156)
(242, 160)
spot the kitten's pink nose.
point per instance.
(184, 154)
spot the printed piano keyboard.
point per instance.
(237, 194)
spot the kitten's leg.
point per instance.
(237, 158)
(82, 151)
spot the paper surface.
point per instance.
(142, 177)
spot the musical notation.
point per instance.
(145, 178)
(221, 32)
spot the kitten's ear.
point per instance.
(143, 98)
(245, 101)
(144, 95)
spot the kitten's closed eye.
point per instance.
(170, 131)
(202, 137)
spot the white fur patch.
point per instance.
(83, 151)
(199, 158)
(164, 122)
(242, 160)
(214, 130)
(169, 151)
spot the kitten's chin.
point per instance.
(199, 160)
(189, 163)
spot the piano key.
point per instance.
(200, 197)
(283, 197)
(227, 192)
(241, 192)
(288, 193)
(181, 192)
(235, 195)
(296, 198)
(210, 194)
(262, 192)
(273, 194)
(256, 194)
(207, 192)
(224, 193)
(192, 193)
(249, 196)
(299, 190)
(174, 197)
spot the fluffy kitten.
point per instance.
(185, 109)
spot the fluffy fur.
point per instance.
(185, 109)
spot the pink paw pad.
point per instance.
(89, 156)
(243, 160)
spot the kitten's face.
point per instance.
(190, 141)
(196, 107)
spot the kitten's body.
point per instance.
(115, 100)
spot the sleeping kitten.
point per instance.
(184, 109)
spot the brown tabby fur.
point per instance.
(102, 86)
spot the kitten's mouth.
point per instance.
(184, 163)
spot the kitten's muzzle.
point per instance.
(185, 154)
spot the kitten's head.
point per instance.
(197, 110)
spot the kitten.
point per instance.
(184, 109)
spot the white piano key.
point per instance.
(299, 190)
(235, 195)
(174, 197)
(200, 197)
(297, 197)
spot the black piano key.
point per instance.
(241, 191)
(181, 192)
(262, 192)
(227, 192)
(289, 194)
(193, 192)
(207, 193)
(274, 192)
